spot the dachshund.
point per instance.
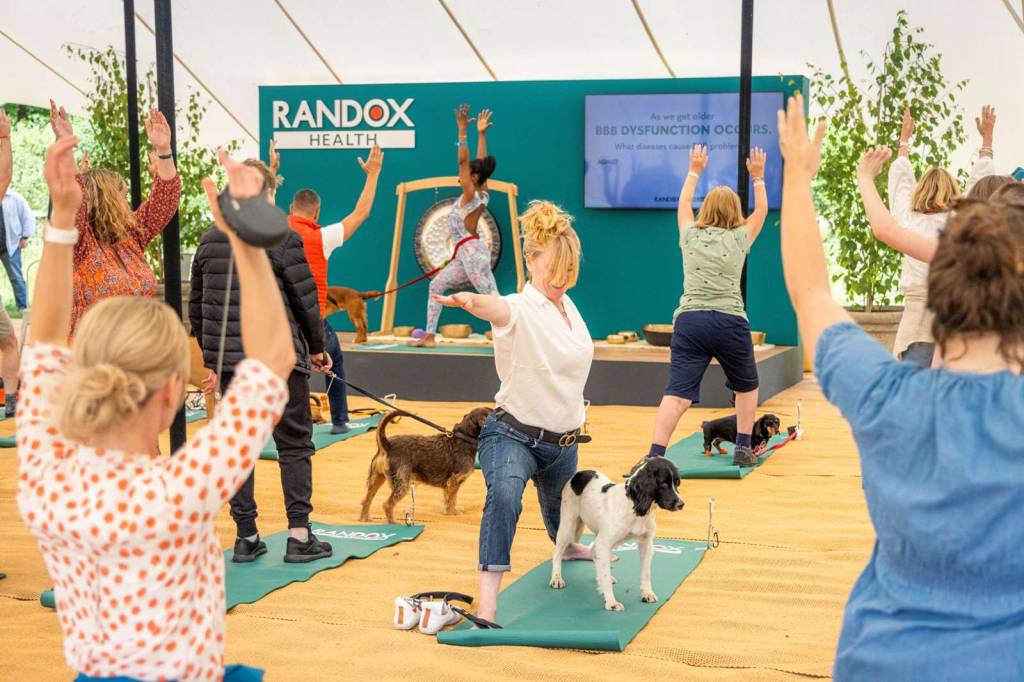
(718, 430)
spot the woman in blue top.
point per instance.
(472, 262)
(942, 596)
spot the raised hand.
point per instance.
(374, 162)
(463, 300)
(483, 120)
(159, 132)
(802, 154)
(244, 182)
(907, 128)
(61, 175)
(5, 124)
(462, 118)
(59, 122)
(756, 162)
(274, 158)
(698, 158)
(871, 163)
(986, 123)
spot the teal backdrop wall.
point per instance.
(632, 269)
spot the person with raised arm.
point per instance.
(941, 596)
(110, 257)
(14, 213)
(711, 320)
(128, 536)
(543, 352)
(319, 243)
(471, 262)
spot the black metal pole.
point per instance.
(132, 88)
(746, 84)
(172, 238)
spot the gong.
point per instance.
(433, 241)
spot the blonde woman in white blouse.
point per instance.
(543, 352)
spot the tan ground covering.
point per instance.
(766, 604)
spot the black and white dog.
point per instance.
(616, 513)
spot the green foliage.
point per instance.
(867, 114)
(107, 104)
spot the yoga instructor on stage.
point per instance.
(543, 351)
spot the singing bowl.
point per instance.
(432, 240)
(402, 331)
(658, 334)
(456, 331)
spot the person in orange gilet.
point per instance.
(319, 242)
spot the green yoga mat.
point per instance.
(440, 348)
(247, 583)
(322, 436)
(533, 614)
(194, 415)
(250, 582)
(8, 442)
(688, 456)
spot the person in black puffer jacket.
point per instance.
(293, 434)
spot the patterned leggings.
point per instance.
(472, 265)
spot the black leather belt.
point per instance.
(563, 440)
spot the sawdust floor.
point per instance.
(767, 604)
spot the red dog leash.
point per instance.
(765, 451)
(436, 270)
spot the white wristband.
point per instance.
(692, 174)
(985, 149)
(56, 235)
(758, 181)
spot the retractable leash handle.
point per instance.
(256, 221)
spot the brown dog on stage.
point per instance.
(352, 302)
(435, 460)
(198, 373)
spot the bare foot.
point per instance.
(426, 341)
(578, 552)
(452, 511)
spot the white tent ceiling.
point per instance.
(232, 46)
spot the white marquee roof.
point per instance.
(229, 47)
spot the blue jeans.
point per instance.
(232, 673)
(12, 264)
(919, 353)
(509, 458)
(337, 395)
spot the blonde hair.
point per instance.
(545, 226)
(721, 208)
(109, 213)
(125, 349)
(935, 192)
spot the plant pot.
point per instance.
(880, 324)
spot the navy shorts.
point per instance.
(701, 335)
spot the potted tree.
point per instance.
(863, 114)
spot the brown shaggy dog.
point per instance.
(198, 372)
(435, 460)
(352, 302)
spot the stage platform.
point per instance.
(631, 374)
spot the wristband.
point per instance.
(904, 144)
(461, 143)
(758, 181)
(56, 235)
(985, 149)
(692, 174)
(165, 157)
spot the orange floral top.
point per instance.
(106, 270)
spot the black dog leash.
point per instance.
(437, 427)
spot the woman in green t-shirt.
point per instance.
(710, 321)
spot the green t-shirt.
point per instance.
(712, 266)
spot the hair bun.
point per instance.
(103, 395)
(983, 246)
(544, 220)
(483, 168)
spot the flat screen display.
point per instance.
(637, 147)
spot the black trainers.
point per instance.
(298, 552)
(338, 429)
(744, 457)
(246, 551)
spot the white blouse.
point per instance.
(902, 182)
(543, 363)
